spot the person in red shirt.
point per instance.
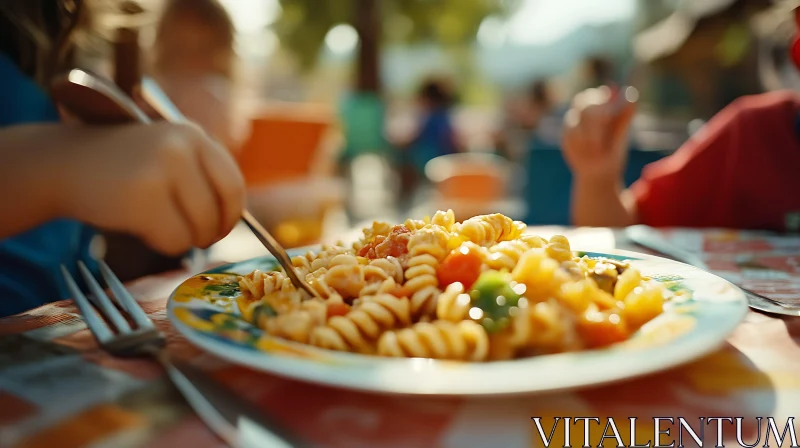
(740, 171)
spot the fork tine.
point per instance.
(124, 297)
(97, 326)
(106, 307)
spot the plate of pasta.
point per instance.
(479, 307)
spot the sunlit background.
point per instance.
(324, 96)
(524, 39)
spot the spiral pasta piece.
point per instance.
(378, 228)
(343, 260)
(553, 328)
(506, 254)
(541, 275)
(446, 220)
(533, 241)
(260, 284)
(422, 283)
(558, 249)
(311, 261)
(371, 289)
(360, 328)
(383, 268)
(318, 282)
(345, 279)
(416, 224)
(302, 263)
(453, 304)
(327, 255)
(295, 325)
(579, 295)
(488, 229)
(426, 248)
(465, 341)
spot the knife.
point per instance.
(650, 238)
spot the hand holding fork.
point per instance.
(236, 421)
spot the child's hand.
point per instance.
(595, 133)
(167, 184)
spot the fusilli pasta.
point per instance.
(440, 339)
(453, 305)
(259, 284)
(488, 229)
(425, 250)
(479, 290)
(357, 330)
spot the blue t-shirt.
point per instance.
(30, 262)
(435, 139)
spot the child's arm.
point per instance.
(674, 191)
(167, 184)
(595, 148)
(28, 178)
(206, 101)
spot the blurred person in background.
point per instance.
(529, 118)
(435, 135)
(597, 71)
(194, 62)
(512, 134)
(160, 182)
(549, 115)
(739, 171)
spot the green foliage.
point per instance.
(304, 23)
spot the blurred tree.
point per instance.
(304, 24)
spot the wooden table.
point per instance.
(58, 389)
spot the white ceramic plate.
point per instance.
(203, 309)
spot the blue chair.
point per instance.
(548, 189)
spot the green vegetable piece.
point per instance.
(224, 290)
(494, 295)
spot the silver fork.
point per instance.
(234, 420)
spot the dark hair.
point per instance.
(539, 93)
(38, 34)
(601, 69)
(438, 91)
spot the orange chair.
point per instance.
(471, 184)
(283, 144)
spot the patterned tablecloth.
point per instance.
(58, 389)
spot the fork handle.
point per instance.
(233, 419)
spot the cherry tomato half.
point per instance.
(602, 328)
(462, 265)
